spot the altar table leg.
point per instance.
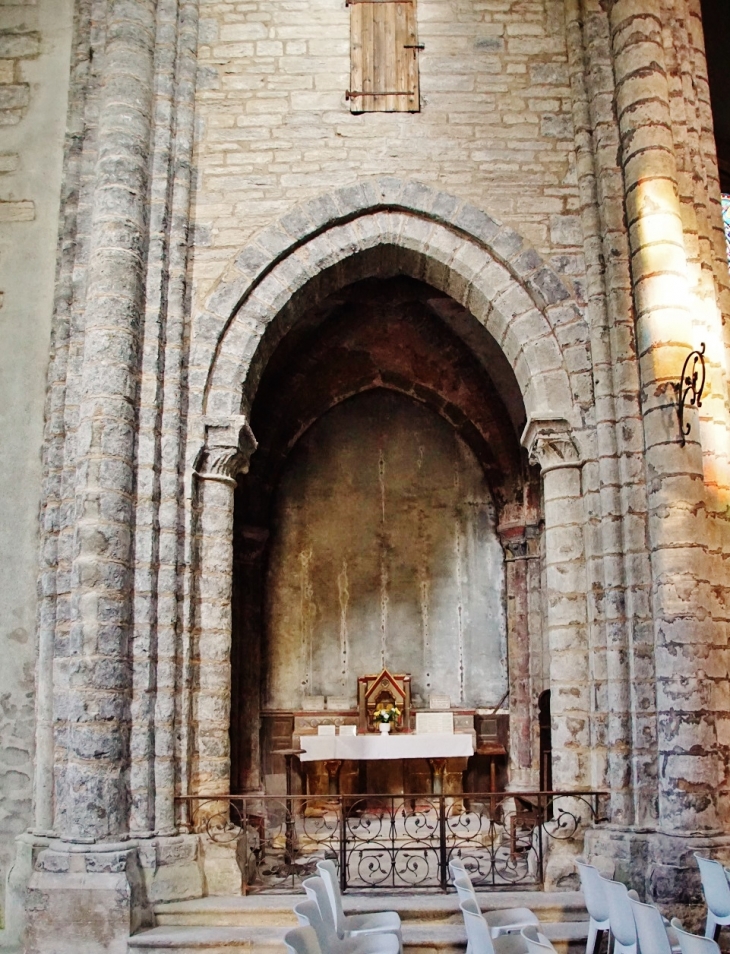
(333, 767)
(438, 768)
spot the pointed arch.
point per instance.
(381, 228)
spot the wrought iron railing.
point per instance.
(393, 841)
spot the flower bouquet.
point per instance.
(386, 716)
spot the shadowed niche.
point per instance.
(419, 349)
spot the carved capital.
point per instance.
(229, 444)
(550, 444)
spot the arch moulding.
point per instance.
(381, 228)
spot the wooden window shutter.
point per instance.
(383, 56)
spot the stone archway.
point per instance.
(380, 229)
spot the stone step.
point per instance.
(568, 937)
(270, 910)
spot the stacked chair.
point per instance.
(637, 928)
(309, 915)
(694, 943)
(496, 932)
(634, 927)
(716, 889)
(508, 921)
(596, 905)
(326, 929)
(355, 925)
(536, 942)
(302, 940)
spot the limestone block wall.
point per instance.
(35, 41)
(274, 127)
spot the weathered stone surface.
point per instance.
(556, 197)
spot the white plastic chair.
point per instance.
(309, 915)
(620, 917)
(694, 943)
(354, 925)
(536, 942)
(508, 921)
(479, 938)
(651, 928)
(302, 940)
(717, 895)
(596, 905)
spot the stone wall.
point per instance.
(384, 554)
(35, 40)
(569, 206)
(274, 126)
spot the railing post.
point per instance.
(542, 812)
(442, 842)
(343, 845)
(245, 847)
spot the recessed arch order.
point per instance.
(382, 228)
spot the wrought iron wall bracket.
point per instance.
(688, 385)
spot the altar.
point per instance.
(334, 750)
(418, 752)
(366, 747)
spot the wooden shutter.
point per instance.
(383, 56)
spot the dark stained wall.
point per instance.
(384, 553)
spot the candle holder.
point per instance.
(688, 385)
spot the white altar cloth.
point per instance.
(320, 748)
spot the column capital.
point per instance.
(229, 444)
(550, 443)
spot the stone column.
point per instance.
(93, 797)
(522, 701)
(550, 444)
(228, 448)
(683, 627)
(84, 893)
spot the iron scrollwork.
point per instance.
(391, 841)
(688, 385)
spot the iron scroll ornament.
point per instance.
(688, 385)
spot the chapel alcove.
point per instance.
(377, 521)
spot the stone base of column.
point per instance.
(28, 849)
(223, 865)
(82, 899)
(172, 868)
(660, 866)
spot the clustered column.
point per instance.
(683, 631)
(93, 795)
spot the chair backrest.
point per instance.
(650, 929)
(317, 892)
(715, 886)
(593, 892)
(694, 943)
(308, 915)
(620, 915)
(464, 888)
(536, 942)
(302, 940)
(328, 873)
(457, 868)
(477, 930)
